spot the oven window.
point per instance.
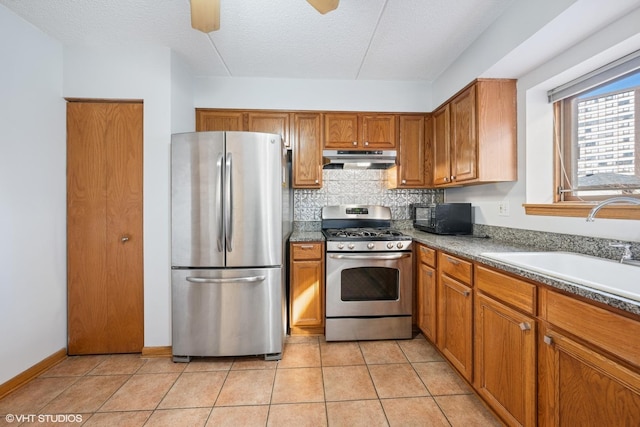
(370, 284)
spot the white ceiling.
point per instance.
(361, 40)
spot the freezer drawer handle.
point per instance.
(229, 280)
(380, 257)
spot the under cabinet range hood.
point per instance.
(359, 159)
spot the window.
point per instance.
(597, 133)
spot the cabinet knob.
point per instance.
(404, 181)
(453, 177)
(317, 181)
(124, 239)
(366, 143)
(466, 293)
(355, 142)
(446, 180)
(525, 326)
(548, 340)
(429, 273)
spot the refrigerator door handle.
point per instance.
(219, 202)
(249, 279)
(229, 203)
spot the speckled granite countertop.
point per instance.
(306, 236)
(471, 247)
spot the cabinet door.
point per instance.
(505, 362)
(378, 131)
(277, 123)
(341, 131)
(219, 120)
(307, 151)
(464, 142)
(307, 288)
(411, 152)
(441, 148)
(426, 297)
(455, 324)
(582, 387)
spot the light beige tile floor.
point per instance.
(366, 383)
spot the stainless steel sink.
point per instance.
(597, 273)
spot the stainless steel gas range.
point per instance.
(369, 274)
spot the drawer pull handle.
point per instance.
(548, 340)
(525, 326)
(453, 261)
(306, 246)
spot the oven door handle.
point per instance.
(374, 257)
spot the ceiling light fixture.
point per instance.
(324, 6)
(205, 15)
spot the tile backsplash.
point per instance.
(354, 186)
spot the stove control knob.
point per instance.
(390, 245)
(351, 246)
(340, 245)
(371, 246)
(400, 245)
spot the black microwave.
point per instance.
(443, 218)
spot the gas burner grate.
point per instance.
(363, 233)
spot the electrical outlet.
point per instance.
(503, 208)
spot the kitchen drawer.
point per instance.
(610, 331)
(427, 255)
(311, 250)
(519, 294)
(455, 267)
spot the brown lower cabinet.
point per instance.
(588, 364)
(540, 357)
(505, 346)
(455, 312)
(306, 294)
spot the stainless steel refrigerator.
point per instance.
(231, 213)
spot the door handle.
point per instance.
(229, 280)
(124, 239)
(229, 203)
(372, 257)
(218, 209)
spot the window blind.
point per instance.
(604, 74)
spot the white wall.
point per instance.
(139, 73)
(183, 118)
(33, 283)
(535, 139)
(292, 94)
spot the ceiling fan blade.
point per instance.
(324, 6)
(205, 15)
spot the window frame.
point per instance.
(564, 203)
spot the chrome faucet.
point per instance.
(596, 208)
(627, 256)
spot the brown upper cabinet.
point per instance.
(474, 135)
(255, 121)
(307, 150)
(219, 120)
(278, 123)
(412, 149)
(357, 131)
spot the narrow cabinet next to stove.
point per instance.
(306, 294)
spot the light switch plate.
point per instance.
(503, 208)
